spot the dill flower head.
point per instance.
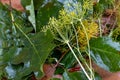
(63, 28)
(64, 20)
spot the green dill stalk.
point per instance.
(79, 48)
(85, 72)
(91, 71)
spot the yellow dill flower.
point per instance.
(91, 31)
(82, 39)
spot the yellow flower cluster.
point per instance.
(91, 31)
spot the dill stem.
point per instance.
(78, 61)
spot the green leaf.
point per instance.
(74, 76)
(8, 56)
(24, 56)
(106, 53)
(38, 3)
(31, 17)
(43, 44)
(21, 73)
(69, 60)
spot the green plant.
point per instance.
(75, 31)
(58, 40)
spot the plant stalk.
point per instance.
(78, 61)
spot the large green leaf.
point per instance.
(16, 49)
(106, 53)
(43, 44)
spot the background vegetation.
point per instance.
(57, 39)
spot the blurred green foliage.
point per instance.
(18, 58)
